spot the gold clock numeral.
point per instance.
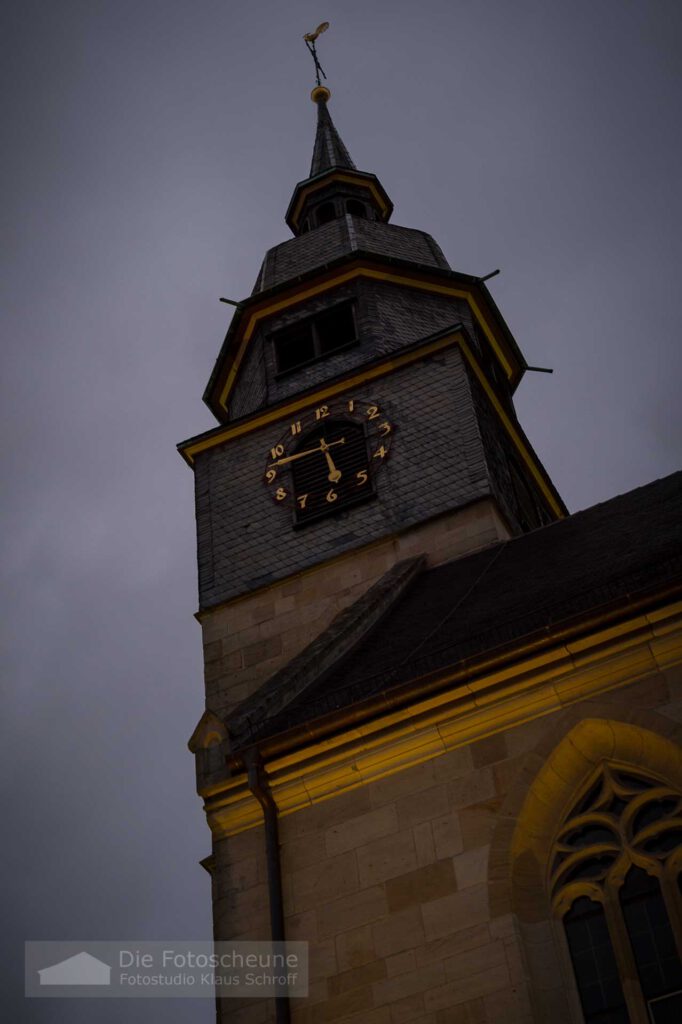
(323, 450)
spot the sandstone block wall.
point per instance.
(397, 901)
(394, 886)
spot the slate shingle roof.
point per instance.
(469, 607)
(340, 237)
(329, 150)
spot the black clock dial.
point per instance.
(337, 472)
(328, 459)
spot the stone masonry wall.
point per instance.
(391, 882)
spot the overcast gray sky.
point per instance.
(150, 150)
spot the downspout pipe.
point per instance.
(258, 785)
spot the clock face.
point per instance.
(328, 457)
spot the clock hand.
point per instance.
(298, 455)
(334, 473)
(309, 451)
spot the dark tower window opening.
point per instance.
(294, 346)
(356, 209)
(324, 213)
(315, 338)
(326, 482)
(334, 329)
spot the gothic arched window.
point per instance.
(615, 883)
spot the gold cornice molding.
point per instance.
(458, 715)
(190, 450)
(536, 469)
(418, 280)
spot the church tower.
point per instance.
(361, 346)
(388, 586)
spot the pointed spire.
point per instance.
(334, 186)
(329, 150)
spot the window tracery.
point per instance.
(614, 880)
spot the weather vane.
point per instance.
(310, 38)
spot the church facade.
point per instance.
(441, 736)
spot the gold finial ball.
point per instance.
(320, 94)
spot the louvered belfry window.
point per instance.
(615, 882)
(317, 491)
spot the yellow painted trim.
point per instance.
(343, 278)
(511, 430)
(455, 717)
(327, 392)
(339, 176)
(229, 433)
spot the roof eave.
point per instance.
(209, 395)
(213, 431)
(389, 701)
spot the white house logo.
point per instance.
(131, 970)
(81, 969)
